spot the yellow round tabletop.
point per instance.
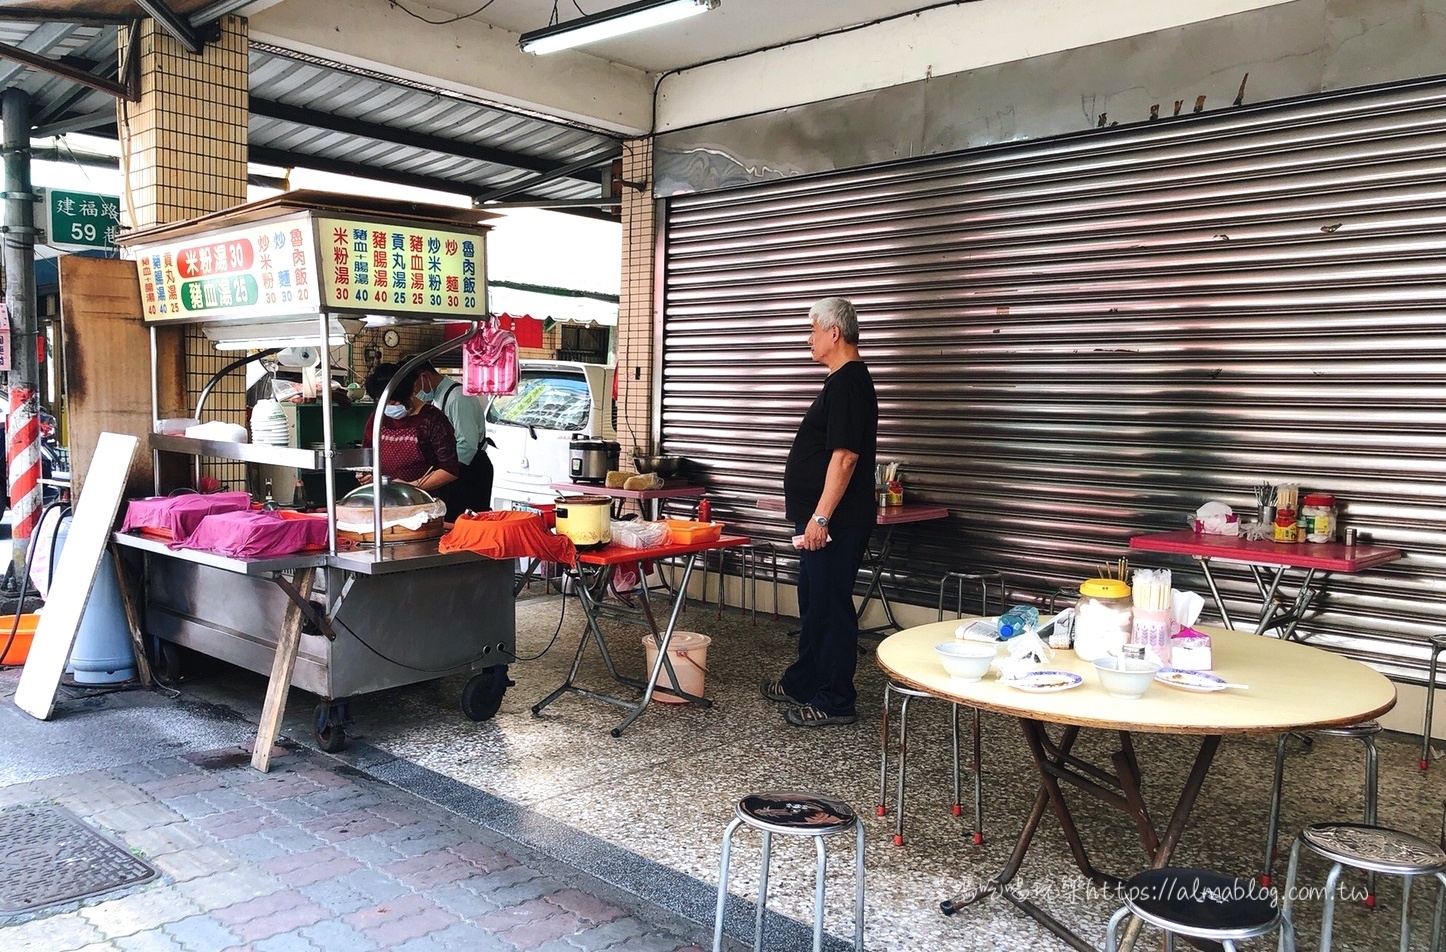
(1291, 686)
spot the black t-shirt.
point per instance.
(844, 415)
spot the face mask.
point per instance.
(426, 395)
(395, 411)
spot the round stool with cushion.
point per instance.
(1199, 904)
(1374, 849)
(793, 813)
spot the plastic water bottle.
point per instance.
(1017, 620)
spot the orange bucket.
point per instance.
(20, 647)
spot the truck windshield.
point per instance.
(549, 399)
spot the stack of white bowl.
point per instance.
(268, 424)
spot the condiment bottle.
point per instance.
(705, 511)
(1285, 528)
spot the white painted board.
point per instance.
(90, 529)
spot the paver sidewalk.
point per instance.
(315, 855)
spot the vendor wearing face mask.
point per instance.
(417, 445)
(473, 488)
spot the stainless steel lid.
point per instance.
(393, 494)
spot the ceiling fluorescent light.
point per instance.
(611, 23)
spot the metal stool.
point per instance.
(793, 813)
(1199, 904)
(749, 557)
(1365, 732)
(955, 807)
(1374, 849)
(983, 578)
(1438, 645)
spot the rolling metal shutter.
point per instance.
(1080, 339)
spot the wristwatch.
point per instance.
(821, 520)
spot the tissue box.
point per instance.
(1217, 525)
(1190, 650)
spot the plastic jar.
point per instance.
(1319, 512)
(1103, 617)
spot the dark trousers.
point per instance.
(828, 645)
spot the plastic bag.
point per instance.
(639, 534)
(489, 361)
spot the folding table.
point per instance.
(1293, 687)
(594, 571)
(1269, 562)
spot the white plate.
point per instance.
(1043, 682)
(1190, 680)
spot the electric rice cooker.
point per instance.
(586, 520)
(590, 458)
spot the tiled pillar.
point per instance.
(636, 305)
(183, 154)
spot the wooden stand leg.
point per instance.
(130, 592)
(279, 685)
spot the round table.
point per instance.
(1292, 686)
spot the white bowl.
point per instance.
(966, 660)
(1126, 677)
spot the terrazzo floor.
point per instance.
(661, 794)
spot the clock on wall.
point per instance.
(391, 338)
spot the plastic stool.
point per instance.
(1200, 904)
(749, 556)
(956, 808)
(792, 813)
(983, 578)
(1374, 849)
(1365, 732)
(1438, 645)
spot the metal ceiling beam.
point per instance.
(591, 162)
(417, 140)
(178, 27)
(75, 17)
(282, 159)
(65, 71)
(94, 120)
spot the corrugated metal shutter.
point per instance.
(1080, 339)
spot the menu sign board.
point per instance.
(401, 268)
(256, 271)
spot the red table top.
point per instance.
(1331, 556)
(887, 516)
(598, 489)
(614, 554)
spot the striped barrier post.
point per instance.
(23, 457)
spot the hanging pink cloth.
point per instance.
(489, 361)
(175, 517)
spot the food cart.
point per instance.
(307, 269)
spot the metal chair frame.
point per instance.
(1438, 645)
(1364, 732)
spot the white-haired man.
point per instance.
(828, 491)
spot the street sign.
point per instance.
(4, 343)
(81, 221)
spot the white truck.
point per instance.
(531, 428)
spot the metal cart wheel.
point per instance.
(482, 696)
(330, 725)
(168, 664)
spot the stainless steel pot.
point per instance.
(586, 520)
(590, 459)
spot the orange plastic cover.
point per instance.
(507, 535)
